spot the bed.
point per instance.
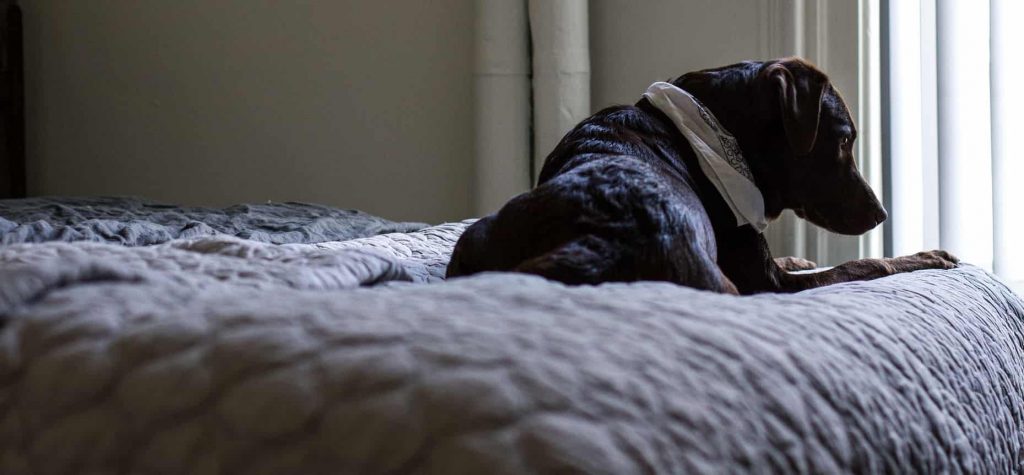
(242, 350)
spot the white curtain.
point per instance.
(501, 103)
(1008, 124)
(955, 98)
(561, 71)
(532, 86)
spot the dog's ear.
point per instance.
(800, 88)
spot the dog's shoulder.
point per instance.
(622, 130)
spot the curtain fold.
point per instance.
(956, 102)
(532, 84)
(501, 103)
(561, 71)
(964, 127)
(1007, 122)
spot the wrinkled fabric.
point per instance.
(134, 222)
(220, 354)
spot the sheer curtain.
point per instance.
(954, 103)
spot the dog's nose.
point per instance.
(880, 215)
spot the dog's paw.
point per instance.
(791, 264)
(937, 259)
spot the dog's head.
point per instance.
(788, 113)
(823, 185)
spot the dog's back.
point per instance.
(614, 202)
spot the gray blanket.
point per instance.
(135, 222)
(228, 355)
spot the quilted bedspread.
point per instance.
(223, 355)
(138, 222)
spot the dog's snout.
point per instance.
(881, 215)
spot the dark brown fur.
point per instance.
(621, 198)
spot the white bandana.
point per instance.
(717, 151)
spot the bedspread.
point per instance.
(221, 354)
(137, 222)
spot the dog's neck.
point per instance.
(739, 105)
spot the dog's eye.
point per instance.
(844, 141)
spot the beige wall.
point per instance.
(354, 103)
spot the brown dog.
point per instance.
(622, 197)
